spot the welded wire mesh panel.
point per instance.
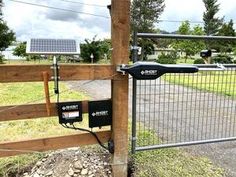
(182, 109)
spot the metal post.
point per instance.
(135, 58)
(55, 72)
(177, 36)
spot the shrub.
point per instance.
(199, 61)
(167, 58)
(223, 59)
(1, 59)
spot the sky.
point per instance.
(29, 21)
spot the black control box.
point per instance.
(70, 112)
(100, 113)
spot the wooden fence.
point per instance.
(120, 31)
(33, 73)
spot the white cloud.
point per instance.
(30, 21)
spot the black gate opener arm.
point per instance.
(152, 70)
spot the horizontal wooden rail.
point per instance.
(31, 111)
(33, 73)
(53, 143)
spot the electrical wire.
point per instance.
(96, 15)
(57, 8)
(76, 2)
(86, 130)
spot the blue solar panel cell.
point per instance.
(53, 46)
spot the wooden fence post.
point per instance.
(120, 13)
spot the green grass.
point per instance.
(185, 61)
(213, 81)
(171, 162)
(165, 162)
(12, 165)
(30, 93)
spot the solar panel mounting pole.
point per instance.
(120, 31)
(55, 72)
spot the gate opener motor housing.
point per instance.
(152, 70)
(70, 112)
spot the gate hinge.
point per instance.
(122, 68)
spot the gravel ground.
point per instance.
(73, 162)
(222, 154)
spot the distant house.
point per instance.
(8, 54)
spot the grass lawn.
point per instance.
(23, 93)
(165, 162)
(24, 62)
(171, 162)
(220, 82)
(185, 61)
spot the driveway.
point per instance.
(173, 123)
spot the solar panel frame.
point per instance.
(45, 46)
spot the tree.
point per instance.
(198, 45)
(91, 50)
(1, 4)
(227, 29)
(106, 48)
(184, 45)
(189, 47)
(7, 36)
(212, 23)
(144, 14)
(20, 50)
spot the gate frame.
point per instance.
(200, 66)
(120, 33)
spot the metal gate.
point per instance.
(180, 109)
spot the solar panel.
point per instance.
(52, 46)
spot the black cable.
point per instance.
(86, 130)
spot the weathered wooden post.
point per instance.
(120, 31)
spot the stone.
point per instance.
(71, 172)
(40, 172)
(77, 171)
(78, 165)
(49, 173)
(39, 163)
(84, 171)
(36, 175)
